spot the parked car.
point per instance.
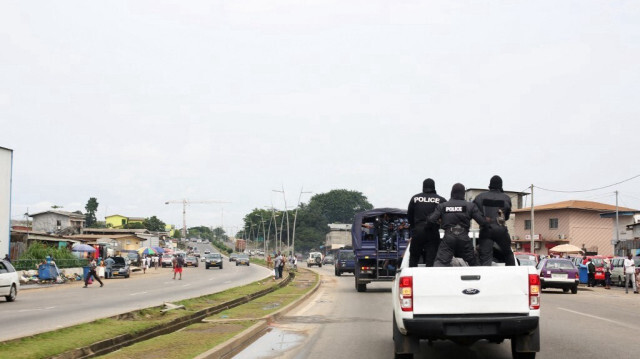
(558, 273)
(213, 260)
(120, 267)
(242, 259)
(314, 259)
(9, 281)
(133, 257)
(167, 261)
(598, 261)
(191, 261)
(233, 256)
(528, 256)
(328, 260)
(345, 262)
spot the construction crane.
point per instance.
(185, 202)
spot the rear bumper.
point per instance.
(445, 327)
(558, 283)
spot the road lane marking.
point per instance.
(600, 318)
(138, 293)
(34, 309)
(227, 282)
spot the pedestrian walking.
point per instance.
(108, 269)
(276, 266)
(144, 265)
(178, 263)
(496, 208)
(607, 273)
(425, 236)
(591, 272)
(155, 262)
(455, 217)
(281, 267)
(92, 273)
(629, 274)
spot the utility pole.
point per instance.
(295, 217)
(184, 210)
(533, 250)
(617, 229)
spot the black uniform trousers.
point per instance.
(424, 243)
(459, 245)
(499, 235)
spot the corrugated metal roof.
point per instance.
(574, 204)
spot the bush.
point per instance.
(38, 252)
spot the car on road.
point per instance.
(314, 259)
(213, 260)
(528, 256)
(345, 262)
(191, 261)
(120, 267)
(328, 260)
(133, 257)
(558, 273)
(167, 261)
(9, 281)
(242, 259)
(206, 251)
(233, 256)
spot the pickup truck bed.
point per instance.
(466, 304)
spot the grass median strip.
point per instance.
(216, 329)
(59, 341)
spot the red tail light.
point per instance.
(406, 294)
(534, 291)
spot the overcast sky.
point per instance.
(140, 102)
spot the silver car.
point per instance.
(9, 281)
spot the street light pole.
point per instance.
(295, 217)
(286, 212)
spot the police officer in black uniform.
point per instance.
(455, 216)
(496, 208)
(425, 237)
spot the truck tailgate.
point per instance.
(477, 290)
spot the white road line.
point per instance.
(186, 285)
(34, 309)
(601, 318)
(138, 293)
(227, 282)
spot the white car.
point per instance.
(9, 281)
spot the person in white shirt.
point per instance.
(629, 274)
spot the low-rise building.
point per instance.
(339, 236)
(118, 221)
(55, 221)
(575, 222)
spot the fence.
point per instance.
(32, 264)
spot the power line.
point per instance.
(588, 190)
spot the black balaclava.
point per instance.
(457, 191)
(428, 186)
(496, 183)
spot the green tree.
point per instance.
(339, 205)
(220, 234)
(134, 225)
(91, 208)
(311, 229)
(154, 224)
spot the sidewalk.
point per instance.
(135, 273)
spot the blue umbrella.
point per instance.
(81, 247)
(158, 249)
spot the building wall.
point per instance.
(115, 221)
(580, 228)
(338, 237)
(48, 222)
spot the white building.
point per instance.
(339, 236)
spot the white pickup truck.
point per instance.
(466, 304)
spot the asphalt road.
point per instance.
(338, 322)
(40, 310)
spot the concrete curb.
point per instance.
(240, 341)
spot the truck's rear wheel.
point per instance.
(361, 287)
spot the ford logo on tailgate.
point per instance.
(471, 291)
